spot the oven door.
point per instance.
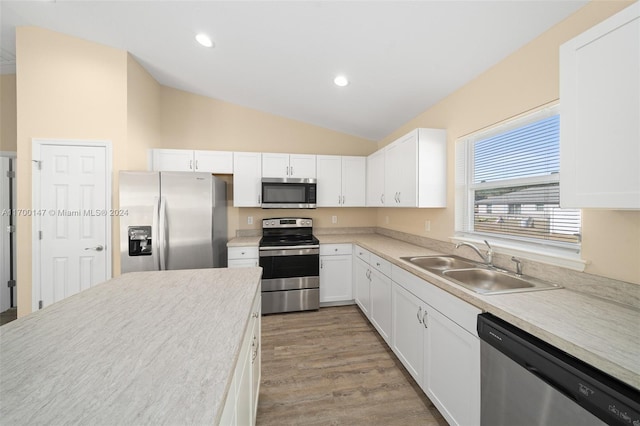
(290, 268)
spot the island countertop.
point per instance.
(143, 348)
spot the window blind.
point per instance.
(507, 184)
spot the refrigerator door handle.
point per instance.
(155, 233)
(162, 234)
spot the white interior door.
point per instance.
(71, 206)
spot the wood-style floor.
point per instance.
(8, 316)
(330, 367)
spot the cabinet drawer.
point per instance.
(380, 264)
(242, 253)
(335, 249)
(361, 253)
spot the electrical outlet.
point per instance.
(334, 219)
(249, 220)
(427, 226)
(386, 220)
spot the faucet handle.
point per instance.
(518, 265)
(488, 245)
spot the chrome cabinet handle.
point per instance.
(382, 198)
(418, 314)
(190, 164)
(339, 199)
(291, 170)
(96, 248)
(196, 164)
(424, 319)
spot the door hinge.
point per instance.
(40, 304)
(11, 283)
(11, 228)
(39, 235)
(38, 164)
(11, 174)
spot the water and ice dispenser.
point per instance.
(140, 241)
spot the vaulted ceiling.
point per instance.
(401, 57)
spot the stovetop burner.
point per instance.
(287, 231)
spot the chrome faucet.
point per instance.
(487, 259)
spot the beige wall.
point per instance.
(67, 89)
(196, 122)
(524, 81)
(8, 113)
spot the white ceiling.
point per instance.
(281, 57)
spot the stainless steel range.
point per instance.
(290, 261)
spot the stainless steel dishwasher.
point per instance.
(525, 381)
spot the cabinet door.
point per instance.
(302, 166)
(405, 167)
(361, 282)
(335, 278)
(354, 171)
(172, 160)
(452, 370)
(381, 304)
(329, 181)
(375, 179)
(408, 330)
(247, 170)
(275, 165)
(213, 161)
(600, 127)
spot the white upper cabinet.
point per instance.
(247, 167)
(600, 118)
(375, 179)
(341, 181)
(183, 160)
(415, 170)
(275, 165)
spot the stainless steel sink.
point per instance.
(441, 263)
(478, 277)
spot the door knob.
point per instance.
(96, 248)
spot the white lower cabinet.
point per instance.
(241, 405)
(434, 337)
(452, 370)
(380, 297)
(361, 281)
(336, 273)
(408, 330)
(242, 257)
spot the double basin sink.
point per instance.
(478, 277)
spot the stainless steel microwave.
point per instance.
(288, 193)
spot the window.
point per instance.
(507, 184)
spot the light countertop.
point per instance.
(599, 332)
(143, 348)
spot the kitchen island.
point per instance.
(143, 348)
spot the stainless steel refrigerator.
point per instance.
(172, 220)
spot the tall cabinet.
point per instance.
(600, 126)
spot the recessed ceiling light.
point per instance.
(341, 81)
(204, 40)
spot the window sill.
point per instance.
(550, 255)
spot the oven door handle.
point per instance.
(284, 251)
